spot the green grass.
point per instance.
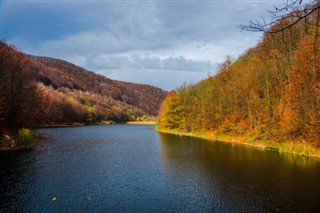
(284, 147)
(26, 137)
(309, 151)
(298, 150)
(251, 139)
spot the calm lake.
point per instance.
(131, 168)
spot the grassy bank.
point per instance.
(142, 122)
(293, 147)
(23, 139)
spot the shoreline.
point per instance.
(141, 122)
(100, 123)
(11, 143)
(57, 125)
(16, 148)
(291, 147)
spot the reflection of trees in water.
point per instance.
(301, 161)
(238, 176)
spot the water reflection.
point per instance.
(232, 176)
(300, 161)
(131, 168)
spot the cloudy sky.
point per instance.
(162, 43)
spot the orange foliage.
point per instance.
(38, 91)
(272, 91)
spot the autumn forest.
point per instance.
(42, 91)
(160, 106)
(270, 93)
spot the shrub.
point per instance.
(251, 139)
(26, 137)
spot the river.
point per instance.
(131, 168)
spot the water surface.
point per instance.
(121, 168)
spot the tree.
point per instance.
(284, 18)
(171, 111)
(17, 87)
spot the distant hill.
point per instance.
(36, 90)
(59, 73)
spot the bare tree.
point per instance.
(295, 11)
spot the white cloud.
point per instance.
(179, 63)
(160, 43)
(166, 79)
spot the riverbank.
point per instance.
(14, 146)
(23, 139)
(292, 147)
(58, 125)
(141, 122)
(10, 141)
(100, 123)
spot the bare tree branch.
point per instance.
(293, 10)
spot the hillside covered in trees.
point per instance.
(270, 93)
(36, 91)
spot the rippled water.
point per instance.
(128, 168)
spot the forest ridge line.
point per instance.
(40, 91)
(270, 95)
